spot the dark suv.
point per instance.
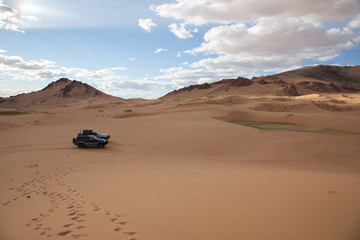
(97, 134)
(89, 141)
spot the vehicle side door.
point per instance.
(92, 141)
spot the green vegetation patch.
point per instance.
(291, 127)
(11, 112)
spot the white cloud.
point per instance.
(6, 92)
(12, 19)
(30, 18)
(159, 50)
(119, 68)
(199, 12)
(9, 18)
(46, 69)
(180, 30)
(265, 35)
(272, 36)
(270, 45)
(146, 24)
(355, 22)
(2, 51)
(327, 58)
(245, 62)
(178, 77)
(146, 88)
(357, 39)
(17, 62)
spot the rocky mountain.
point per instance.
(314, 79)
(62, 91)
(332, 74)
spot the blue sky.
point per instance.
(147, 48)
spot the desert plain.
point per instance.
(250, 167)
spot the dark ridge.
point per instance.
(268, 79)
(190, 88)
(350, 88)
(66, 90)
(290, 90)
(228, 83)
(304, 83)
(321, 87)
(61, 80)
(262, 81)
(327, 73)
(238, 82)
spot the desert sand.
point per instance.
(207, 168)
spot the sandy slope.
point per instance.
(179, 170)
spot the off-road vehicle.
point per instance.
(95, 133)
(89, 141)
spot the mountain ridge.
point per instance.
(303, 81)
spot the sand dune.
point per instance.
(182, 169)
(236, 159)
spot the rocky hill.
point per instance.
(332, 74)
(62, 91)
(308, 80)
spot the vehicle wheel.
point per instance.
(100, 145)
(81, 145)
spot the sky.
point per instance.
(147, 48)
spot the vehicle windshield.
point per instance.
(95, 133)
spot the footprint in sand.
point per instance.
(71, 202)
(78, 235)
(63, 233)
(130, 233)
